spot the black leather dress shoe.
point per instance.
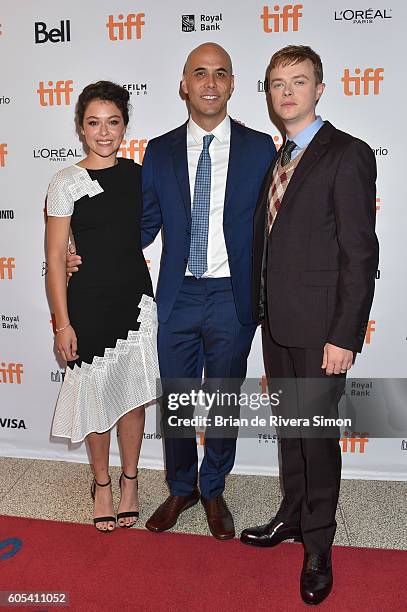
(271, 534)
(316, 577)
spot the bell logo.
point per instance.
(369, 331)
(49, 96)
(3, 153)
(133, 149)
(352, 84)
(11, 373)
(289, 13)
(124, 30)
(7, 266)
(354, 442)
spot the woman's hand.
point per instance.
(67, 344)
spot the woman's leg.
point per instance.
(99, 450)
(130, 435)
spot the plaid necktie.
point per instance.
(287, 150)
(197, 262)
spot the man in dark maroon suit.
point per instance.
(315, 255)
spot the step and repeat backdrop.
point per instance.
(50, 50)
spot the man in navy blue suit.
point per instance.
(201, 182)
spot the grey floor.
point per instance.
(370, 513)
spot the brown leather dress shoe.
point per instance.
(167, 514)
(220, 519)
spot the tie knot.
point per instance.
(207, 141)
(287, 150)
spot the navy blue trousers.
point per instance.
(203, 330)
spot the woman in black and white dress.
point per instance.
(106, 318)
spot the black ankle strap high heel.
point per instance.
(130, 513)
(101, 519)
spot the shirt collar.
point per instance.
(221, 132)
(303, 138)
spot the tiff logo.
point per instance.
(133, 149)
(352, 84)
(354, 442)
(53, 95)
(125, 30)
(11, 373)
(3, 153)
(63, 34)
(7, 266)
(370, 329)
(289, 14)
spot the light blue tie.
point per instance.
(197, 262)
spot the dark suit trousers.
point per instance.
(310, 467)
(203, 329)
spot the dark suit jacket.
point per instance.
(167, 205)
(322, 253)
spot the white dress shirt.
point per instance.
(217, 257)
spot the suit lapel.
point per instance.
(180, 161)
(315, 150)
(236, 161)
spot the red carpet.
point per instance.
(134, 570)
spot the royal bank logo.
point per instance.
(188, 23)
(54, 35)
(44, 269)
(6, 214)
(206, 22)
(262, 86)
(358, 17)
(136, 89)
(4, 100)
(10, 321)
(57, 154)
(57, 376)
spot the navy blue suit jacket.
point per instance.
(167, 206)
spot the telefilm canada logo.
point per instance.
(202, 22)
(43, 33)
(57, 153)
(136, 89)
(362, 16)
